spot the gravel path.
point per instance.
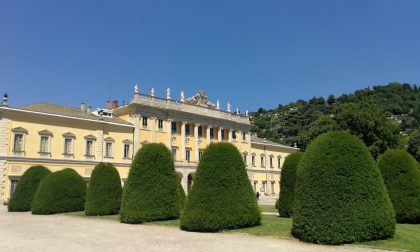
(26, 232)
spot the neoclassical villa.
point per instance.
(58, 136)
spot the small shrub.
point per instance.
(221, 196)
(340, 196)
(151, 192)
(287, 184)
(402, 177)
(60, 192)
(103, 195)
(21, 200)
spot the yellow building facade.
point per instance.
(59, 137)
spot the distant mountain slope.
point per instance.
(401, 102)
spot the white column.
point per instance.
(99, 146)
(208, 134)
(230, 135)
(169, 143)
(219, 134)
(248, 141)
(196, 141)
(136, 140)
(183, 140)
(153, 124)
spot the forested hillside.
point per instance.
(383, 116)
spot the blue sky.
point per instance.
(252, 53)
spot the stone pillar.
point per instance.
(4, 149)
(219, 134)
(183, 141)
(208, 134)
(196, 141)
(99, 148)
(169, 143)
(248, 141)
(230, 135)
(153, 125)
(136, 140)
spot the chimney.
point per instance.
(108, 105)
(83, 107)
(115, 104)
(89, 109)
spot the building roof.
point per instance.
(62, 110)
(257, 140)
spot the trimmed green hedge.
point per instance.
(60, 192)
(21, 200)
(221, 196)
(287, 184)
(103, 195)
(151, 193)
(402, 177)
(340, 196)
(182, 196)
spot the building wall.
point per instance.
(13, 165)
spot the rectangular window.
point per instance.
(253, 160)
(68, 142)
(244, 157)
(200, 153)
(262, 162)
(18, 143)
(144, 122)
(211, 133)
(223, 134)
(13, 184)
(108, 150)
(271, 162)
(43, 148)
(126, 151)
(188, 155)
(200, 131)
(89, 148)
(278, 162)
(244, 136)
(173, 127)
(272, 187)
(234, 135)
(160, 124)
(187, 129)
(174, 153)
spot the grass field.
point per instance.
(407, 236)
(268, 208)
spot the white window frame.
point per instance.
(253, 162)
(188, 155)
(127, 155)
(22, 145)
(92, 154)
(66, 153)
(107, 154)
(174, 152)
(48, 150)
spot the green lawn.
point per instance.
(268, 208)
(407, 236)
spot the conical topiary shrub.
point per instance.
(60, 192)
(221, 196)
(151, 190)
(21, 200)
(401, 174)
(340, 196)
(287, 184)
(103, 195)
(182, 196)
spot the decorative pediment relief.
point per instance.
(127, 141)
(90, 137)
(109, 139)
(69, 135)
(20, 130)
(200, 99)
(45, 133)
